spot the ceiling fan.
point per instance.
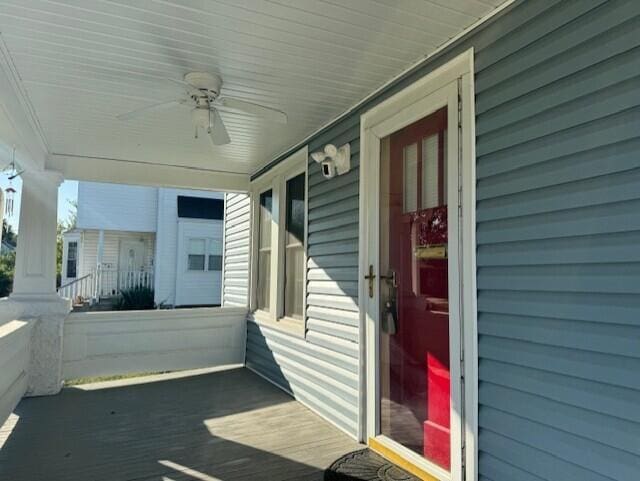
(204, 100)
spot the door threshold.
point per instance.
(407, 459)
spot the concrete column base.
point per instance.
(48, 313)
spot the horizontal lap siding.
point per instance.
(236, 250)
(321, 370)
(558, 146)
(558, 195)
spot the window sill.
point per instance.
(286, 325)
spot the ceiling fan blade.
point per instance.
(179, 82)
(253, 109)
(218, 133)
(150, 108)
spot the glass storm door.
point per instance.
(414, 366)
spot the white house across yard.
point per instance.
(166, 239)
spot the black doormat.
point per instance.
(365, 465)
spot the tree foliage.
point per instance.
(8, 235)
(7, 264)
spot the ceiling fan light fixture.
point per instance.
(200, 117)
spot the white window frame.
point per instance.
(65, 256)
(276, 181)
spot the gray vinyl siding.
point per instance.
(235, 269)
(558, 203)
(322, 370)
(558, 232)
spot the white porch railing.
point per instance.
(83, 287)
(110, 282)
(102, 282)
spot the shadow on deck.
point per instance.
(227, 425)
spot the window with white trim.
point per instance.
(72, 260)
(279, 243)
(265, 217)
(204, 254)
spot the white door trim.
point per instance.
(439, 88)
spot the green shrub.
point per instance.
(135, 298)
(7, 264)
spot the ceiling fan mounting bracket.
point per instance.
(208, 83)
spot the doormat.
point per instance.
(365, 465)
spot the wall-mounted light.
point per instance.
(333, 160)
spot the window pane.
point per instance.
(215, 262)
(294, 249)
(430, 172)
(215, 246)
(264, 279)
(196, 262)
(295, 209)
(72, 251)
(410, 177)
(264, 250)
(197, 246)
(266, 205)
(71, 269)
(294, 286)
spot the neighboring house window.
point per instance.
(200, 208)
(279, 246)
(204, 255)
(72, 260)
(264, 250)
(214, 261)
(196, 254)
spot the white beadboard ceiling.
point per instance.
(82, 62)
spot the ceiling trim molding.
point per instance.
(9, 69)
(133, 172)
(420, 63)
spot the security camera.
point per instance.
(330, 150)
(328, 169)
(333, 160)
(318, 156)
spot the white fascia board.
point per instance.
(117, 171)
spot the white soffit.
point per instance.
(82, 62)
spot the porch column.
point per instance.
(34, 286)
(35, 274)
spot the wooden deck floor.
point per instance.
(228, 425)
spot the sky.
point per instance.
(68, 191)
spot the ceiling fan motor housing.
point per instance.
(206, 82)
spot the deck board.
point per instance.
(222, 426)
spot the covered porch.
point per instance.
(431, 210)
(198, 425)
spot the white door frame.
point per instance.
(442, 87)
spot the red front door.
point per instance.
(414, 360)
